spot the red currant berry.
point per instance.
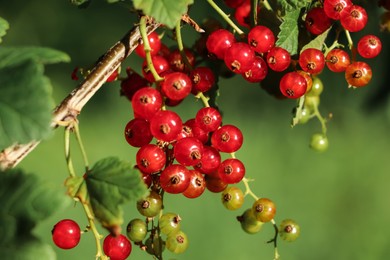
(257, 72)
(335, 8)
(293, 85)
(176, 86)
(232, 198)
(186, 131)
(146, 102)
(137, 132)
(249, 223)
(202, 79)
(278, 59)
(136, 230)
(242, 12)
(227, 138)
(316, 21)
(166, 125)
(337, 60)
(355, 19)
(132, 83)
(289, 230)
(261, 39)
(197, 132)
(175, 179)
(66, 234)
(155, 45)
(231, 171)
(312, 60)
(264, 209)
(197, 185)
(210, 161)
(208, 118)
(309, 81)
(117, 248)
(233, 3)
(219, 41)
(239, 57)
(160, 64)
(151, 205)
(113, 76)
(150, 158)
(176, 60)
(358, 74)
(188, 151)
(177, 242)
(369, 46)
(214, 183)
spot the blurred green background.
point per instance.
(341, 198)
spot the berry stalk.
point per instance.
(225, 17)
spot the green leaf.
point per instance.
(288, 5)
(25, 201)
(12, 56)
(167, 12)
(288, 35)
(77, 188)
(110, 183)
(317, 42)
(4, 26)
(25, 104)
(27, 248)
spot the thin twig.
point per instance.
(72, 105)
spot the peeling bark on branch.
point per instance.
(72, 105)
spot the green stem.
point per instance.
(298, 112)
(225, 17)
(275, 240)
(99, 254)
(144, 35)
(254, 7)
(248, 189)
(204, 99)
(349, 38)
(181, 46)
(266, 5)
(68, 158)
(83, 152)
(321, 119)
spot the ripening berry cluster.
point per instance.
(257, 53)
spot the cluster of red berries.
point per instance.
(66, 234)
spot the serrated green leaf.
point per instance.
(12, 56)
(317, 42)
(25, 104)
(288, 35)
(288, 5)
(25, 201)
(4, 26)
(167, 12)
(110, 183)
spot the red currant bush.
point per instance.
(66, 234)
(117, 248)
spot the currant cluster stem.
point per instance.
(73, 126)
(147, 49)
(180, 45)
(225, 17)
